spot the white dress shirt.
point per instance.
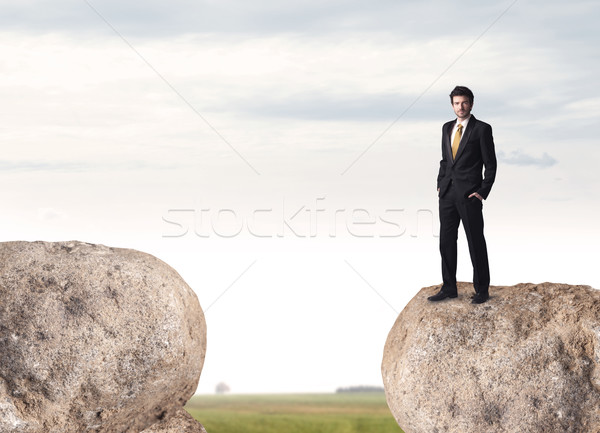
(464, 124)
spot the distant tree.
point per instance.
(360, 388)
(222, 388)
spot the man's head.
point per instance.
(461, 99)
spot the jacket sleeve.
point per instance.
(443, 162)
(488, 154)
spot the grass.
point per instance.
(294, 413)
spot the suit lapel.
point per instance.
(447, 144)
(465, 138)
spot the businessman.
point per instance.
(467, 173)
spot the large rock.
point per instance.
(93, 339)
(525, 361)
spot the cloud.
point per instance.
(516, 157)
(351, 107)
(154, 18)
(48, 214)
(81, 166)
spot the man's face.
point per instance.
(462, 106)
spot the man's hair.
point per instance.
(462, 91)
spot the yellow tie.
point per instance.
(456, 140)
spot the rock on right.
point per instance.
(526, 361)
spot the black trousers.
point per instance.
(455, 208)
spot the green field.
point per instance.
(294, 413)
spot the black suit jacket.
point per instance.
(475, 152)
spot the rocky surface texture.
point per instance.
(180, 422)
(94, 339)
(528, 360)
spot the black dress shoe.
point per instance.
(480, 298)
(441, 295)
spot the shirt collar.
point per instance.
(463, 123)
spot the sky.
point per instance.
(282, 157)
